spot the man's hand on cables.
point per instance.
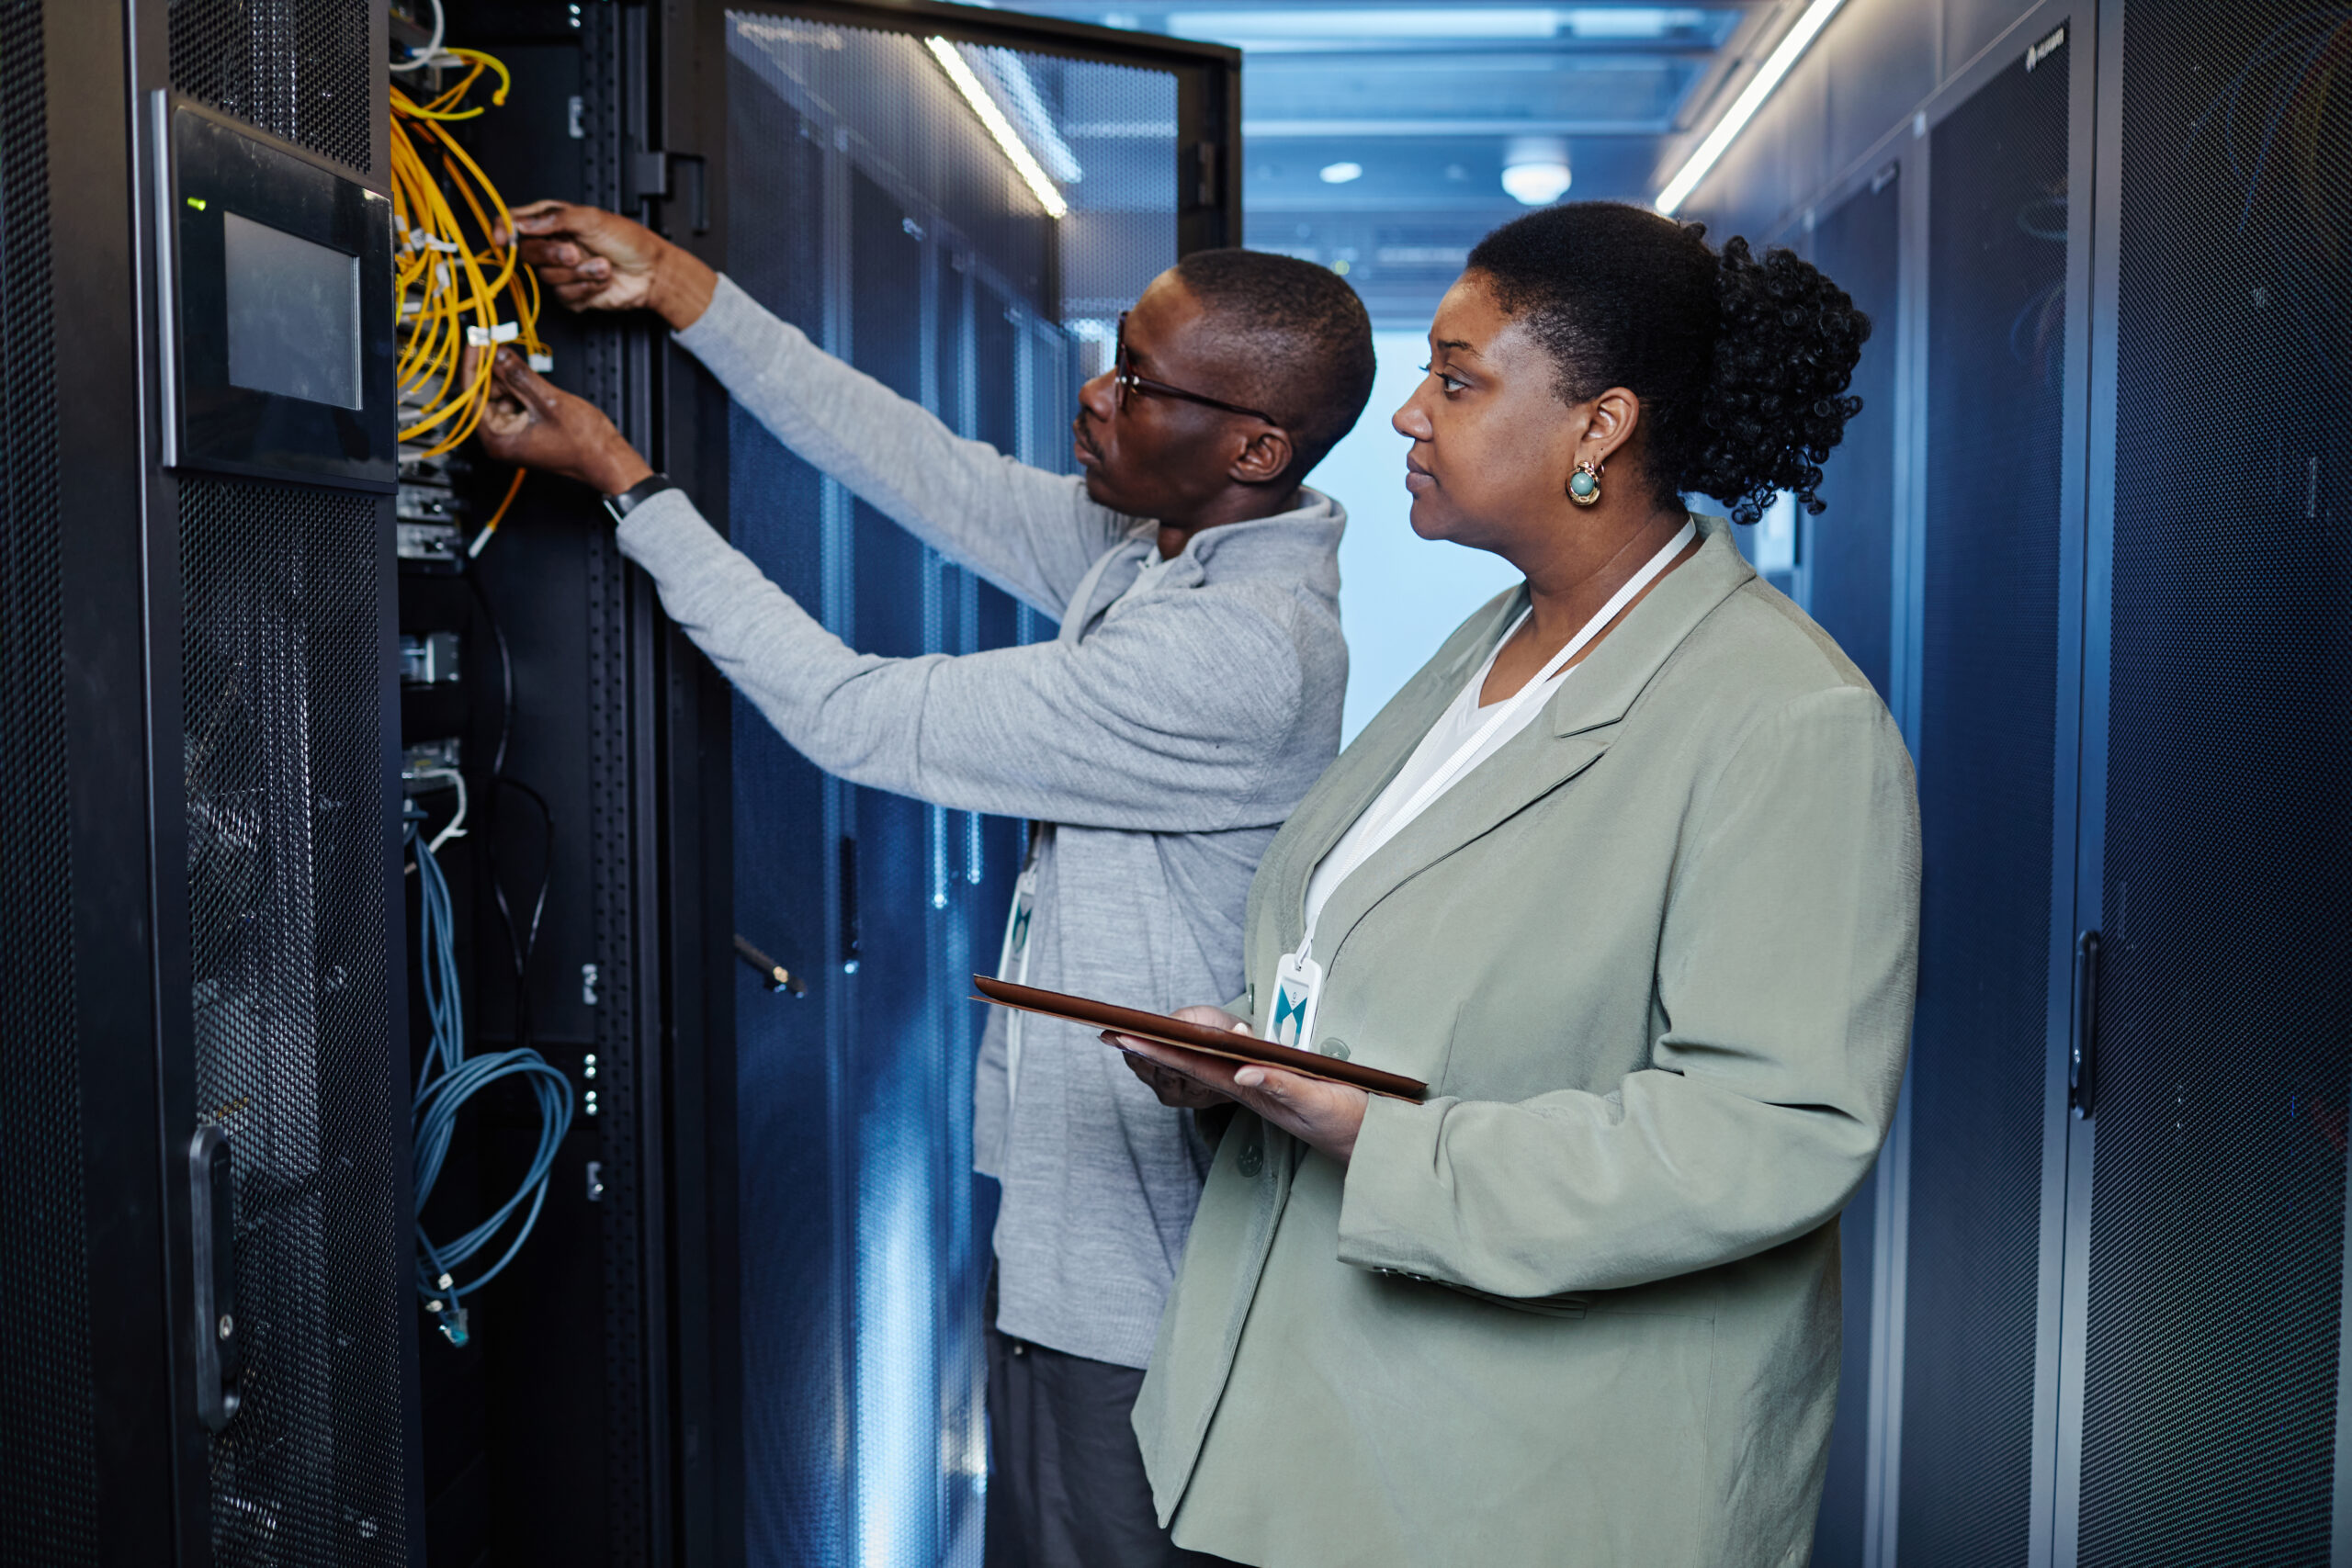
(595, 259)
(533, 423)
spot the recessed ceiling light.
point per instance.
(1535, 170)
(1340, 173)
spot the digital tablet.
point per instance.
(1195, 1037)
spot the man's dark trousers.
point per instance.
(1066, 1480)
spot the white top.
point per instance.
(1384, 818)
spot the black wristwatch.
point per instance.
(637, 495)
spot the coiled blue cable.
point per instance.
(447, 1080)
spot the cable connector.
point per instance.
(453, 1327)
(504, 332)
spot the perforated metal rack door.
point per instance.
(2217, 1202)
(1987, 738)
(867, 205)
(286, 876)
(48, 1485)
(299, 69)
(1851, 547)
(1849, 554)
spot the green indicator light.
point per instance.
(197, 202)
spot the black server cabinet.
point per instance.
(2203, 1415)
(587, 1416)
(204, 991)
(1848, 561)
(1996, 519)
(50, 1413)
(2111, 1307)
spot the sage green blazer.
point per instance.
(1655, 959)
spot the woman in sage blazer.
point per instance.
(1654, 954)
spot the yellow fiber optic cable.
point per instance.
(451, 273)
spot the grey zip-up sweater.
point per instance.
(1165, 734)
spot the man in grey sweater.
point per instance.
(1192, 696)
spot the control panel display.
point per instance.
(277, 276)
(293, 311)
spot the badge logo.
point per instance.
(1290, 1014)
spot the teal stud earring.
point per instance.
(1584, 485)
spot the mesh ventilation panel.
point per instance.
(299, 69)
(1852, 545)
(2217, 1219)
(868, 206)
(48, 1489)
(280, 670)
(1987, 736)
(1850, 553)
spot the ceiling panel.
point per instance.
(1375, 135)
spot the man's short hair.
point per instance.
(1301, 341)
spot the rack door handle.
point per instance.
(773, 975)
(213, 1228)
(849, 922)
(2082, 1055)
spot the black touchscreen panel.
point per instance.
(279, 271)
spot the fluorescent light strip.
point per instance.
(1024, 163)
(1678, 190)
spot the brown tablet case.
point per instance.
(1195, 1037)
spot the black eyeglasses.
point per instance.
(1124, 377)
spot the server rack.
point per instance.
(561, 1428)
(204, 654)
(2109, 1304)
(2207, 1157)
(1848, 556)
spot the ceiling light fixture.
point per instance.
(1024, 163)
(1776, 65)
(1340, 173)
(1535, 169)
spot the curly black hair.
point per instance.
(1741, 364)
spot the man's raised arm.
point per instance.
(1033, 533)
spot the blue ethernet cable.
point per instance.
(447, 1080)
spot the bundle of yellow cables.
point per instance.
(448, 278)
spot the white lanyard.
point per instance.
(1298, 978)
(1013, 961)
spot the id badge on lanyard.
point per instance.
(1013, 961)
(1298, 985)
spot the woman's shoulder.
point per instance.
(1756, 657)
(1757, 644)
